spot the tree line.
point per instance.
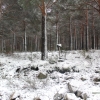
(39, 25)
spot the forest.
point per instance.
(74, 24)
(49, 50)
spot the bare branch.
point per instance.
(52, 4)
(48, 3)
(94, 7)
(89, 3)
(96, 2)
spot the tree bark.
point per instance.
(25, 41)
(44, 35)
(50, 42)
(93, 30)
(57, 38)
(2, 45)
(87, 31)
(14, 42)
(71, 41)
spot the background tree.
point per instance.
(68, 22)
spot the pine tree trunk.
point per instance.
(23, 44)
(87, 31)
(14, 41)
(84, 38)
(36, 44)
(93, 30)
(25, 38)
(50, 43)
(76, 41)
(71, 42)
(81, 40)
(44, 36)
(2, 45)
(74, 37)
(57, 37)
(25, 41)
(31, 44)
(97, 39)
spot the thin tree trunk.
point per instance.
(85, 38)
(46, 55)
(36, 43)
(97, 39)
(57, 38)
(25, 37)
(71, 42)
(25, 42)
(76, 40)
(93, 30)
(87, 31)
(14, 42)
(82, 37)
(74, 37)
(31, 44)
(2, 45)
(50, 43)
(81, 41)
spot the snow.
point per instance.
(24, 84)
(54, 0)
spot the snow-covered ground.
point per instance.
(19, 76)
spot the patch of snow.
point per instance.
(25, 85)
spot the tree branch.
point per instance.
(48, 3)
(52, 4)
